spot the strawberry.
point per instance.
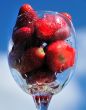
(60, 56)
(26, 16)
(22, 34)
(15, 56)
(67, 15)
(62, 33)
(62, 29)
(39, 77)
(52, 27)
(25, 8)
(24, 20)
(45, 29)
(32, 59)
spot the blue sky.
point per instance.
(9, 10)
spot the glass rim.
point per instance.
(49, 12)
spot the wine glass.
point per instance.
(40, 82)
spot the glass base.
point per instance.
(42, 101)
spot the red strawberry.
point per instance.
(52, 27)
(67, 15)
(45, 29)
(32, 59)
(62, 33)
(26, 16)
(15, 56)
(25, 8)
(22, 34)
(60, 56)
(62, 29)
(24, 20)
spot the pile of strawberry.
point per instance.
(40, 50)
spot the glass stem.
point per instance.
(42, 101)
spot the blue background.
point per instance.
(73, 96)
